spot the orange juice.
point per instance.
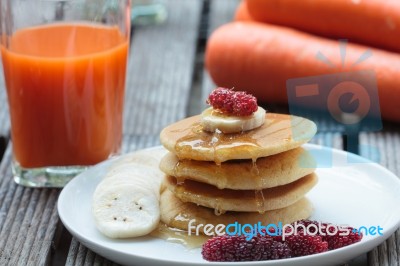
(65, 86)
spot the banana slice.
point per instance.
(212, 121)
(126, 202)
(144, 176)
(146, 180)
(125, 210)
(120, 180)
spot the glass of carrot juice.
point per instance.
(64, 65)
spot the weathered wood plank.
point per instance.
(138, 142)
(161, 68)
(84, 256)
(383, 147)
(73, 252)
(221, 12)
(329, 139)
(28, 220)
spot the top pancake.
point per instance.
(280, 133)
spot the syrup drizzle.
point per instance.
(217, 142)
(180, 191)
(222, 180)
(177, 168)
(259, 200)
(277, 128)
(179, 236)
(180, 218)
(218, 209)
(180, 180)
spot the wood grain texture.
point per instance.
(28, 220)
(161, 68)
(221, 12)
(329, 139)
(383, 148)
(137, 142)
(80, 255)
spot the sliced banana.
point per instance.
(212, 121)
(109, 184)
(138, 175)
(126, 210)
(126, 202)
(135, 170)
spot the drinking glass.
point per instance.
(64, 64)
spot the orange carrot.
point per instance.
(260, 58)
(370, 22)
(242, 13)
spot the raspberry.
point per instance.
(311, 229)
(303, 245)
(237, 103)
(279, 250)
(266, 247)
(334, 241)
(237, 248)
(337, 241)
(271, 233)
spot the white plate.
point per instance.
(360, 193)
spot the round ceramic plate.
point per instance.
(351, 190)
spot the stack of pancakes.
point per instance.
(257, 176)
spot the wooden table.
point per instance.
(166, 82)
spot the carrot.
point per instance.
(242, 13)
(260, 58)
(371, 22)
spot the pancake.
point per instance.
(241, 200)
(271, 171)
(178, 214)
(280, 133)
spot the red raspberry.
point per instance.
(337, 241)
(237, 248)
(279, 250)
(303, 245)
(334, 241)
(311, 229)
(237, 103)
(271, 232)
(266, 247)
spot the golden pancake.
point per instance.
(178, 214)
(280, 133)
(241, 200)
(271, 171)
